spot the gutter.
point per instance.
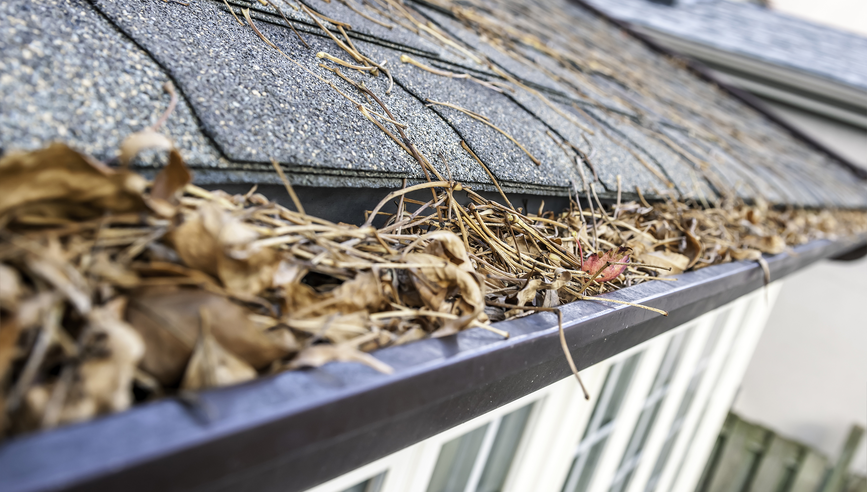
(295, 430)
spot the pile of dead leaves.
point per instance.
(115, 290)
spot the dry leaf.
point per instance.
(677, 262)
(739, 254)
(168, 320)
(64, 183)
(211, 365)
(447, 245)
(317, 355)
(139, 141)
(442, 281)
(594, 263)
(693, 248)
(11, 290)
(172, 179)
(528, 293)
(216, 242)
(102, 383)
(524, 246)
(772, 245)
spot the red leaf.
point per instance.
(594, 263)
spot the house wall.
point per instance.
(808, 377)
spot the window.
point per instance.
(707, 404)
(686, 402)
(650, 411)
(371, 485)
(479, 461)
(601, 424)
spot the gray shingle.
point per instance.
(243, 102)
(760, 33)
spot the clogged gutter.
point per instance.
(114, 290)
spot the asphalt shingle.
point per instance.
(91, 72)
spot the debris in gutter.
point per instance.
(114, 290)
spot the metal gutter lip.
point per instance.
(297, 429)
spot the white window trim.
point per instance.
(720, 401)
(688, 366)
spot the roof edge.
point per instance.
(750, 100)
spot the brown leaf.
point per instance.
(442, 281)
(773, 245)
(447, 245)
(317, 355)
(11, 290)
(72, 184)
(9, 331)
(640, 242)
(739, 254)
(139, 141)
(528, 293)
(211, 365)
(665, 259)
(103, 381)
(168, 320)
(172, 179)
(214, 241)
(108, 379)
(562, 279)
(524, 246)
(693, 248)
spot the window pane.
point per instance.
(479, 461)
(686, 402)
(456, 461)
(601, 424)
(619, 394)
(580, 480)
(372, 485)
(504, 449)
(653, 403)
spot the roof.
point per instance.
(754, 31)
(91, 71)
(627, 110)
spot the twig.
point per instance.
(562, 336)
(173, 102)
(484, 119)
(289, 188)
(489, 173)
